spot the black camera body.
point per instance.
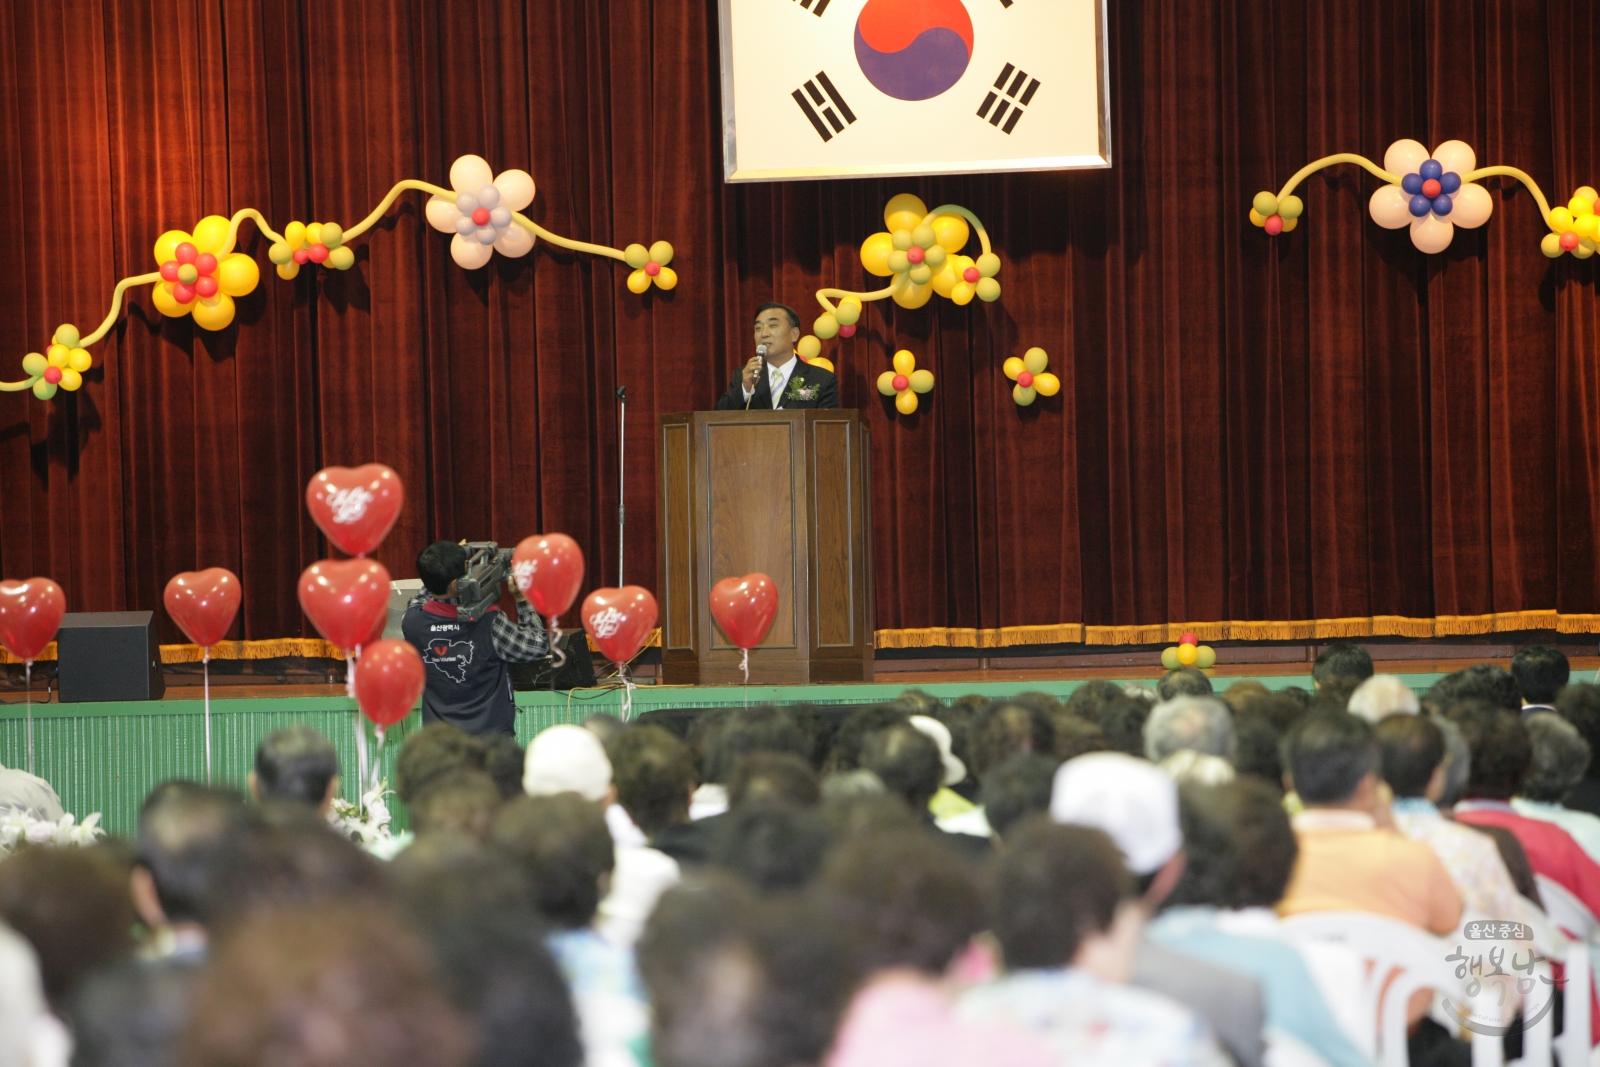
(488, 565)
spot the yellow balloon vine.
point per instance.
(199, 274)
(920, 250)
(1432, 193)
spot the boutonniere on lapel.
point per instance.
(799, 390)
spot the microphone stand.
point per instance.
(622, 456)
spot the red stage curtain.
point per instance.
(1328, 425)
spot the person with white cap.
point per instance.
(570, 759)
(1136, 804)
(946, 803)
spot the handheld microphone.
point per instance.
(761, 350)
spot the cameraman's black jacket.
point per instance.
(469, 681)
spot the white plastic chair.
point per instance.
(1566, 910)
(1402, 960)
(1567, 920)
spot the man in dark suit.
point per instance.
(775, 377)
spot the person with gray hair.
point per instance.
(1560, 758)
(1383, 695)
(1199, 724)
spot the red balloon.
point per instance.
(355, 506)
(1188, 639)
(744, 608)
(203, 603)
(1274, 225)
(345, 598)
(388, 681)
(619, 620)
(548, 568)
(30, 614)
(378, 626)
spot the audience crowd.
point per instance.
(1121, 879)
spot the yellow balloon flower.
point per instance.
(905, 382)
(1032, 379)
(198, 278)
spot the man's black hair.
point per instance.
(904, 900)
(432, 752)
(773, 776)
(1257, 741)
(460, 802)
(1077, 737)
(845, 754)
(654, 773)
(772, 845)
(564, 849)
(1342, 661)
(1007, 727)
(794, 316)
(296, 764)
(1087, 700)
(1541, 672)
(907, 761)
(1239, 849)
(132, 1014)
(1328, 753)
(444, 877)
(1501, 750)
(1560, 757)
(758, 729)
(503, 761)
(1413, 748)
(1184, 682)
(1480, 682)
(1122, 723)
(286, 856)
(440, 564)
(184, 828)
(736, 982)
(1053, 886)
(1016, 789)
(1580, 705)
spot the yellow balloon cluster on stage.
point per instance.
(317, 242)
(1032, 379)
(905, 382)
(1574, 228)
(199, 274)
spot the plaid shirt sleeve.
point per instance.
(522, 641)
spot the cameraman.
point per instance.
(469, 685)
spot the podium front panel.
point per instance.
(783, 493)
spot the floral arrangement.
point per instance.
(199, 274)
(366, 822)
(19, 828)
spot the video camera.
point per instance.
(478, 589)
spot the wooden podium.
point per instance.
(782, 493)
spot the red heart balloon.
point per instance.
(344, 598)
(389, 680)
(619, 620)
(549, 570)
(355, 506)
(203, 603)
(744, 608)
(30, 614)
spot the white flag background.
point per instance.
(860, 88)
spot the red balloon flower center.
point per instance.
(901, 383)
(480, 217)
(1025, 379)
(1431, 188)
(652, 268)
(971, 274)
(915, 254)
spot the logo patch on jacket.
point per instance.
(451, 657)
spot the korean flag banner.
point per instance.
(876, 88)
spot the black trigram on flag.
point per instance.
(824, 106)
(1008, 109)
(816, 7)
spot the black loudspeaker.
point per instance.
(576, 673)
(109, 655)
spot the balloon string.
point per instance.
(27, 674)
(377, 767)
(205, 669)
(558, 655)
(744, 665)
(627, 692)
(361, 734)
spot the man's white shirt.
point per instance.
(777, 377)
